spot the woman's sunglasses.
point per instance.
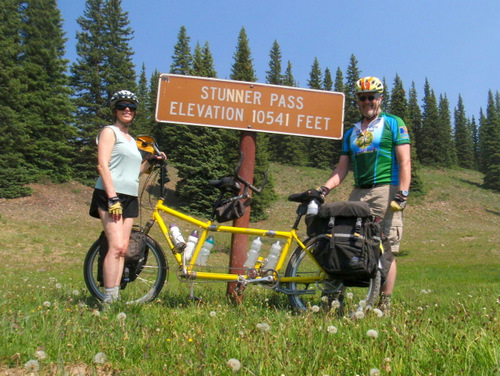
(122, 106)
(371, 98)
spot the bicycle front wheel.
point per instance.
(148, 283)
(321, 293)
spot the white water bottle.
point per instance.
(175, 233)
(205, 251)
(272, 259)
(312, 208)
(191, 243)
(253, 253)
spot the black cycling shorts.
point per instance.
(130, 204)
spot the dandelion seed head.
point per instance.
(96, 312)
(362, 303)
(58, 286)
(335, 304)
(47, 304)
(315, 308)
(76, 292)
(378, 312)
(213, 314)
(374, 372)
(332, 329)
(40, 354)
(349, 295)
(32, 365)
(263, 327)
(359, 315)
(372, 333)
(324, 299)
(234, 364)
(100, 358)
(121, 316)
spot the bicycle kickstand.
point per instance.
(191, 294)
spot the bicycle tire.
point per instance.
(148, 283)
(304, 296)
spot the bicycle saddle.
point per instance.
(226, 184)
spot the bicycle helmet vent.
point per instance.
(123, 95)
(369, 85)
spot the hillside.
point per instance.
(456, 217)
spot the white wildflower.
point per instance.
(359, 315)
(372, 333)
(335, 304)
(374, 372)
(47, 304)
(349, 295)
(315, 308)
(32, 365)
(76, 292)
(58, 286)
(213, 314)
(378, 312)
(100, 358)
(324, 299)
(121, 316)
(263, 327)
(331, 329)
(234, 364)
(362, 303)
(96, 312)
(40, 354)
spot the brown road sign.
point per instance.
(250, 106)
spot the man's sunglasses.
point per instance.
(371, 98)
(122, 106)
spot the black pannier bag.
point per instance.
(135, 258)
(353, 250)
(232, 210)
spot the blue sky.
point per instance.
(453, 44)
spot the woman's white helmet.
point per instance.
(123, 95)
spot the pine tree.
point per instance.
(273, 75)
(339, 81)
(463, 137)
(449, 155)
(429, 149)
(15, 174)
(182, 60)
(288, 79)
(399, 106)
(351, 109)
(327, 80)
(489, 133)
(47, 106)
(142, 121)
(474, 131)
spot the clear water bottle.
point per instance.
(272, 259)
(253, 253)
(177, 239)
(312, 208)
(191, 243)
(205, 251)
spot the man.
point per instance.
(378, 150)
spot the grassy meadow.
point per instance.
(444, 321)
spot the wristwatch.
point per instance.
(404, 193)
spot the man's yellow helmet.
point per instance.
(369, 85)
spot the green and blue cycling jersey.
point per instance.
(372, 153)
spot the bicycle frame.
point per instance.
(189, 269)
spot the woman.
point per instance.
(115, 200)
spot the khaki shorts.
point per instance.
(379, 198)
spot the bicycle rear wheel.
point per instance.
(148, 283)
(304, 295)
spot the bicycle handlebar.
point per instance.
(244, 182)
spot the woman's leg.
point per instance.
(118, 235)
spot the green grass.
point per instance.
(444, 319)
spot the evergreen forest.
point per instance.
(51, 110)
